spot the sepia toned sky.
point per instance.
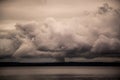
(37, 9)
(87, 26)
(20, 10)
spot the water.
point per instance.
(56, 77)
(60, 73)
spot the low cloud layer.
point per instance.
(93, 33)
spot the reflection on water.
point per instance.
(60, 73)
(56, 77)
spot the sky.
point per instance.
(58, 27)
(13, 11)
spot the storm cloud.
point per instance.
(95, 32)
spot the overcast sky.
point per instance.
(13, 11)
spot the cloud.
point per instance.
(7, 47)
(104, 9)
(106, 45)
(8, 42)
(96, 32)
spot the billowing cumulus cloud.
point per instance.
(95, 32)
(106, 45)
